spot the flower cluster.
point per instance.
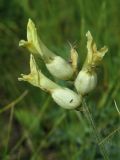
(84, 82)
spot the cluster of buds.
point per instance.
(84, 81)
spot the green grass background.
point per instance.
(33, 127)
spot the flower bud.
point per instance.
(60, 68)
(64, 97)
(85, 82)
(56, 65)
(87, 78)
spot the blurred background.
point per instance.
(32, 126)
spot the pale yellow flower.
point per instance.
(87, 78)
(56, 65)
(63, 96)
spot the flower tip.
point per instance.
(31, 32)
(30, 25)
(103, 50)
(88, 35)
(22, 43)
(30, 22)
(24, 77)
(20, 79)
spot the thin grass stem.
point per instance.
(97, 136)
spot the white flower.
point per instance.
(64, 97)
(87, 79)
(56, 65)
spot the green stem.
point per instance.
(90, 119)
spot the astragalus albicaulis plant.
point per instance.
(84, 80)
